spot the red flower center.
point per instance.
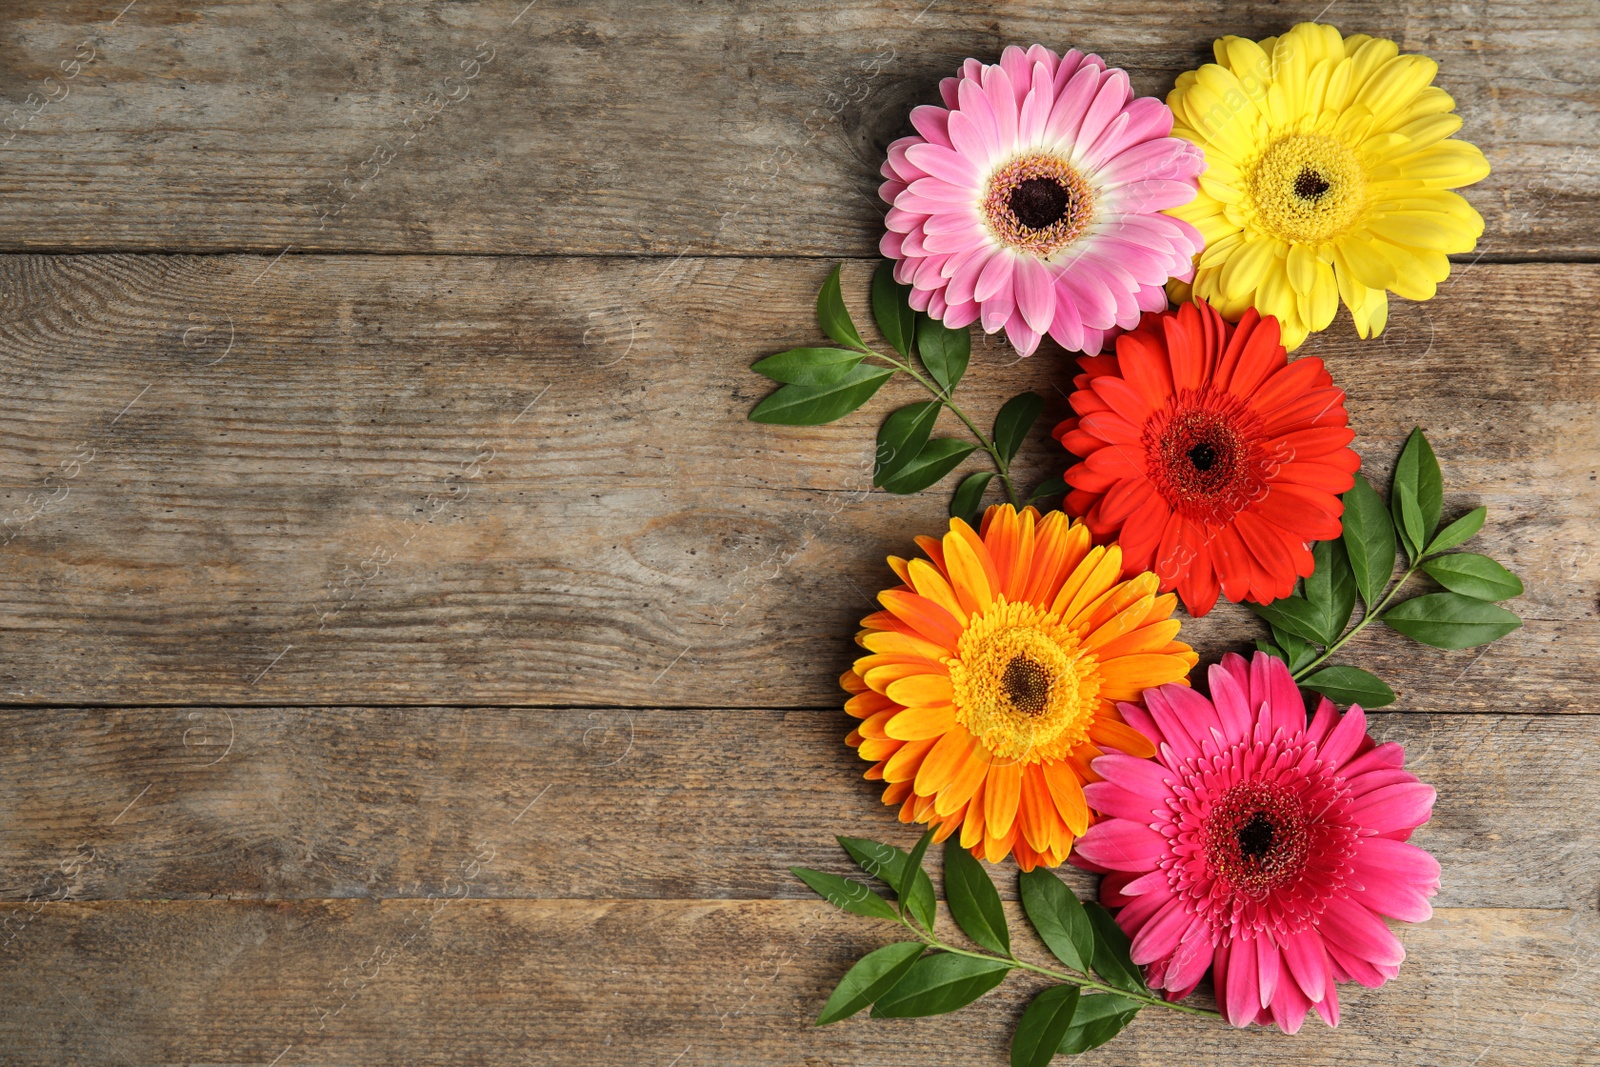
(1256, 838)
(1202, 455)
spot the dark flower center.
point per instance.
(1257, 836)
(1309, 185)
(1027, 682)
(1203, 456)
(1039, 202)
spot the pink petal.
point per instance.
(1019, 70)
(1308, 962)
(1159, 938)
(1328, 1006)
(1123, 845)
(1396, 879)
(1138, 718)
(1268, 967)
(1024, 338)
(1071, 104)
(1189, 963)
(1288, 1008)
(889, 244)
(1165, 158)
(996, 276)
(1108, 798)
(1229, 680)
(1035, 113)
(1036, 298)
(1141, 776)
(1173, 730)
(1288, 706)
(1091, 295)
(1155, 194)
(1347, 924)
(930, 188)
(1242, 993)
(1344, 739)
(976, 106)
(1001, 89)
(1113, 94)
(1192, 712)
(944, 163)
(1067, 328)
(997, 310)
(960, 313)
(1394, 807)
(933, 123)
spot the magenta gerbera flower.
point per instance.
(1032, 199)
(1260, 846)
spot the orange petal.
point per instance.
(931, 584)
(965, 783)
(968, 575)
(863, 704)
(1151, 638)
(917, 724)
(1066, 789)
(851, 682)
(873, 727)
(896, 792)
(877, 748)
(899, 644)
(1115, 735)
(1092, 577)
(1035, 810)
(900, 568)
(920, 690)
(1130, 592)
(940, 765)
(880, 677)
(1000, 797)
(927, 617)
(972, 829)
(1104, 632)
(902, 766)
(1125, 677)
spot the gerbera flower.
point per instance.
(1328, 165)
(1260, 846)
(1031, 200)
(994, 675)
(1213, 459)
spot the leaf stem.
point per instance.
(1070, 978)
(1366, 617)
(1000, 464)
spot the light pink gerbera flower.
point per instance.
(1260, 845)
(1032, 200)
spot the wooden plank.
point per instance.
(691, 982)
(642, 127)
(359, 802)
(457, 480)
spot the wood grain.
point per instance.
(376, 480)
(280, 803)
(691, 982)
(644, 127)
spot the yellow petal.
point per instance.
(920, 690)
(919, 723)
(1001, 792)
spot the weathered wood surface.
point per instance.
(281, 803)
(644, 127)
(580, 982)
(459, 480)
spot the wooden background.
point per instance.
(410, 654)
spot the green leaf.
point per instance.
(897, 319)
(1459, 532)
(1418, 470)
(872, 976)
(902, 436)
(808, 366)
(1014, 420)
(812, 405)
(968, 500)
(1368, 540)
(1473, 575)
(919, 850)
(1055, 485)
(945, 352)
(1058, 918)
(1408, 519)
(1098, 1019)
(1292, 614)
(833, 316)
(1272, 650)
(938, 458)
(1350, 685)
(1043, 1026)
(891, 864)
(974, 902)
(1450, 620)
(1331, 589)
(1297, 651)
(846, 893)
(940, 983)
(1111, 958)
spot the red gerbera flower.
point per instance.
(1212, 459)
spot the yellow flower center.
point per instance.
(1307, 187)
(1023, 685)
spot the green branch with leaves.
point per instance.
(1311, 626)
(821, 385)
(1099, 992)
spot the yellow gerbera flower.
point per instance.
(994, 677)
(1329, 161)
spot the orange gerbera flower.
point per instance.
(993, 677)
